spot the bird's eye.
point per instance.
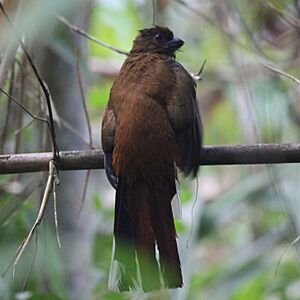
(158, 37)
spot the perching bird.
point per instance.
(151, 125)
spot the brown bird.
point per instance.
(151, 125)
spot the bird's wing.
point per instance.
(108, 130)
(184, 116)
(107, 140)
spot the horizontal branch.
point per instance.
(210, 155)
(251, 154)
(35, 162)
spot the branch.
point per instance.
(83, 99)
(90, 37)
(46, 197)
(34, 117)
(280, 72)
(210, 155)
(44, 88)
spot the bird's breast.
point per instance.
(145, 147)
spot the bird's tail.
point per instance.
(165, 235)
(123, 270)
(144, 220)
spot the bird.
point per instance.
(151, 127)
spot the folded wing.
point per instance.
(184, 116)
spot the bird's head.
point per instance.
(156, 39)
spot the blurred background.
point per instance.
(237, 235)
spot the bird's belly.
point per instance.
(145, 147)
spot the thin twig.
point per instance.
(280, 72)
(32, 262)
(25, 126)
(74, 131)
(153, 12)
(198, 76)
(46, 196)
(55, 212)
(23, 107)
(41, 82)
(83, 101)
(90, 37)
(192, 214)
(284, 205)
(293, 243)
(86, 181)
(8, 107)
(22, 90)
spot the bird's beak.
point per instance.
(174, 44)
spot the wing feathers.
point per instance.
(184, 116)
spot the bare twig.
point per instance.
(8, 107)
(153, 12)
(22, 101)
(285, 205)
(32, 263)
(25, 126)
(87, 177)
(23, 107)
(55, 211)
(46, 196)
(210, 155)
(88, 125)
(74, 131)
(293, 243)
(42, 84)
(90, 37)
(280, 72)
(83, 101)
(192, 214)
(198, 76)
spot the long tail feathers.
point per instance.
(165, 234)
(124, 233)
(144, 220)
(145, 239)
